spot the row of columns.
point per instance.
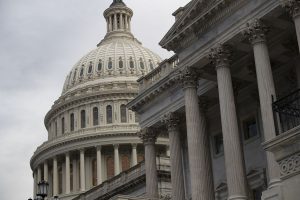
(55, 186)
(197, 137)
(124, 22)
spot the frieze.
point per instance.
(290, 165)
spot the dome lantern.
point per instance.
(118, 18)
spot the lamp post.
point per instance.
(43, 191)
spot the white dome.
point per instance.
(115, 57)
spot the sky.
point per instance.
(40, 41)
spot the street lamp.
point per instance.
(55, 198)
(42, 189)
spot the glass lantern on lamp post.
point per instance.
(42, 189)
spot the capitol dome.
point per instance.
(92, 135)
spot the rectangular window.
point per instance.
(218, 143)
(250, 128)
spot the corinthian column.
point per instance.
(116, 159)
(46, 171)
(99, 166)
(234, 163)
(82, 170)
(198, 147)
(172, 123)
(55, 177)
(256, 33)
(148, 136)
(134, 154)
(293, 7)
(68, 185)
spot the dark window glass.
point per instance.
(100, 65)
(151, 65)
(74, 75)
(142, 64)
(250, 128)
(63, 125)
(109, 114)
(109, 66)
(82, 116)
(131, 63)
(120, 63)
(90, 68)
(72, 122)
(257, 192)
(218, 143)
(95, 116)
(81, 72)
(123, 114)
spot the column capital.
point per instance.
(256, 31)
(171, 120)
(67, 154)
(220, 56)
(116, 146)
(292, 6)
(134, 145)
(99, 147)
(148, 135)
(189, 77)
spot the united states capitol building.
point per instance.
(218, 120)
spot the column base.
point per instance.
(237, 197)
(273, 193)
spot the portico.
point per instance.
(240, 67)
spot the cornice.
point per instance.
(210, 14)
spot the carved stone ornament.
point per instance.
(220, 56)
(148, 135)
(292, 6)
(256, 31)
(189, 77)
(171, 120)
(290, 165)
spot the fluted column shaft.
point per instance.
(116, 159)
(177, 179)
(110, 23)
(234, 163)
(34, 183)
(198, 147)
(39, 175)
(134, 154)
(256, 33)
(82, 171)
(68, 176)
(46, 171)
(148, 137)
(55, 177)
(121, 21)
(75, 174)
(99, 165)
(115, 22)
(126, 22)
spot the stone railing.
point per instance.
(164, 68)
(125, 180)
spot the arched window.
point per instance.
(94, 171)
(151, 65)
(99, 65)
(108, 114)
(72, 122)
(63, 125)
(123, 114)
(142, 64)
(82, 119)
(74, 75)
(55, 127)
(109, 66)
(131, 63)
(90, 70)
(95, 116)
(120, 62)
(81, 71)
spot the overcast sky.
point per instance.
(40, 40)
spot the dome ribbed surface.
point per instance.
(117, 57)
